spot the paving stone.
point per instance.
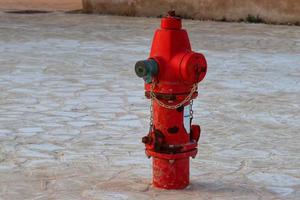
(72, 111)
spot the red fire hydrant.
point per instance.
(171, 75)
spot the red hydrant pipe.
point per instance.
(171, 74)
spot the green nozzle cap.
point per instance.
(146, 69)
(141, 69)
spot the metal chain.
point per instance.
(151, 116)
(172, 107)
(191, 110)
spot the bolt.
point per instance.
(171, 13)
(147, 140)
(171, 161)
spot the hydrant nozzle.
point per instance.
(146, 69)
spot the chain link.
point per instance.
(151, 116)
(172, 107)
(191, 110)
(162, 104)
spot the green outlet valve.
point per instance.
(146, 69)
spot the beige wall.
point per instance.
(49, 5)
(275, 11)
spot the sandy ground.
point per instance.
(48, 5)
(72, 111)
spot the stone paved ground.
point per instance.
(72, 111)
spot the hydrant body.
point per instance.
(171, 75)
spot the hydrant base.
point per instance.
(171, 174)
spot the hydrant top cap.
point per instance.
(171, 22)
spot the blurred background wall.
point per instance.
(47, 5)
(270, 11)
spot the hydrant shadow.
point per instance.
(229, 189)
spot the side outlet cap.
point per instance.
(146, 69)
